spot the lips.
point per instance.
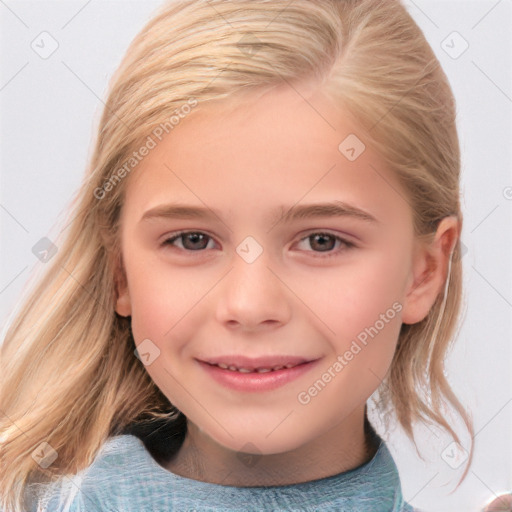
(265, 364)
(256, 375)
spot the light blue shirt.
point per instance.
(124, 477)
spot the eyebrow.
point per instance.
(282, 213)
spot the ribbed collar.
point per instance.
(376, 484)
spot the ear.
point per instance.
(430, 271)
(123, 304)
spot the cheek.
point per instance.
(161, 295)
(149, 302)
(361, 308)
(355, 296)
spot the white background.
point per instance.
(50, 107)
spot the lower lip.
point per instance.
(257, 381)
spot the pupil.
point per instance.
(195, 237)
(322, 237)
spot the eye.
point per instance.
(191, 240)
(321, 242)
(325, 242)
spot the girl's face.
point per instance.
(266, 274)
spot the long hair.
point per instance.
(69, 374)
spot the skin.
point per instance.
(279, 149)
(502, 503)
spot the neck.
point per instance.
(346, 446)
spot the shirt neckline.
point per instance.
(376, 482)
(379, 459)
(381, 464)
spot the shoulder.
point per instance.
(121, 464)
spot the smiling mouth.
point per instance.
(233, 368)
(262, 374)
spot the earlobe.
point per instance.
(429, 272)
(123, 304)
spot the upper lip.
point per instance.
(257, 362)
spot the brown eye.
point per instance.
(322, 242)
(190, 240)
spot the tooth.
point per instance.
(247, 370)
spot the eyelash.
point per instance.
(348, 245)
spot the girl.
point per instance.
(191, 347)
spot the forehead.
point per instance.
(282, 147)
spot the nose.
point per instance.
(252, 296)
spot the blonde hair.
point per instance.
(69, 374)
